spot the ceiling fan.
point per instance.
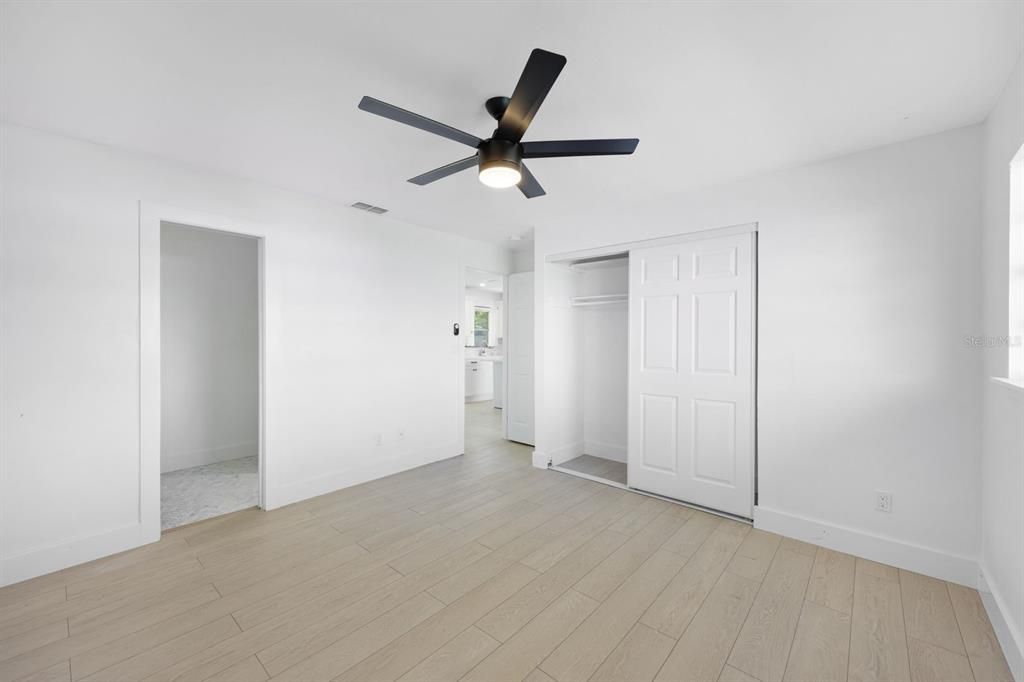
(500, 157)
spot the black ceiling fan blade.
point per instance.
(528, 185)
(444, 171)
(375, 106)
(542, 68)
(553, 148)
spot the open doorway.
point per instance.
(484, 340)
(210, 373)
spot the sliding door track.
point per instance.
(682, 503)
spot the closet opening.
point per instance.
(598, 323)
(650, 367)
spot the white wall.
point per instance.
(1002, 482)
(69, 324)
(587, 348)
(209, 359)
(869, 276)
(521, 260)
(558, 365)
(603, 343)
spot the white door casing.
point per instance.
(519, 355)
(691, 372)
(151, 215)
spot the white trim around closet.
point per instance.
(624, 247)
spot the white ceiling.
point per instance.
(714, 91)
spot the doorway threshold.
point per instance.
(589, 477)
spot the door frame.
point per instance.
(622, 247)
(151, 215)
(569, 257)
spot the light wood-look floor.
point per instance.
(599, 467)
(484, 568)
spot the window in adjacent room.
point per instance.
(481, 326)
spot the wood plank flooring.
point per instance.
(484, 568)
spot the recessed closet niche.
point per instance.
(599, 326)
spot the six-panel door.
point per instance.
(691, 311)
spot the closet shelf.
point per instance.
(603, 299)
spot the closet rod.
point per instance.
(594, 303)
(598, 300)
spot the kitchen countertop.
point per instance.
(485, 358)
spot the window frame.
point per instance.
(1015, 277)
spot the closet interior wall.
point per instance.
(603, 339)
(587, 345)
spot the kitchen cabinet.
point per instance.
(479, 380)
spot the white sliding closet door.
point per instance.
(691, 363)
(519, 355)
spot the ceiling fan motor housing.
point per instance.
(497, 153)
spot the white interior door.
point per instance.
(519, 355)
(691, 364)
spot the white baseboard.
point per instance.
(372, 469)
(186, 460)
(1011, 639)
(616, 453)
(566, 452)
(540, 460)
(73, 551)
(45, 559)
(957, 569)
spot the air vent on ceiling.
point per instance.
(369, 208)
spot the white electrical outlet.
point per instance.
(380, 439)
(883, 501)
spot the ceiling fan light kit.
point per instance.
(500, 157)
(501, 162)
(500, 175)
